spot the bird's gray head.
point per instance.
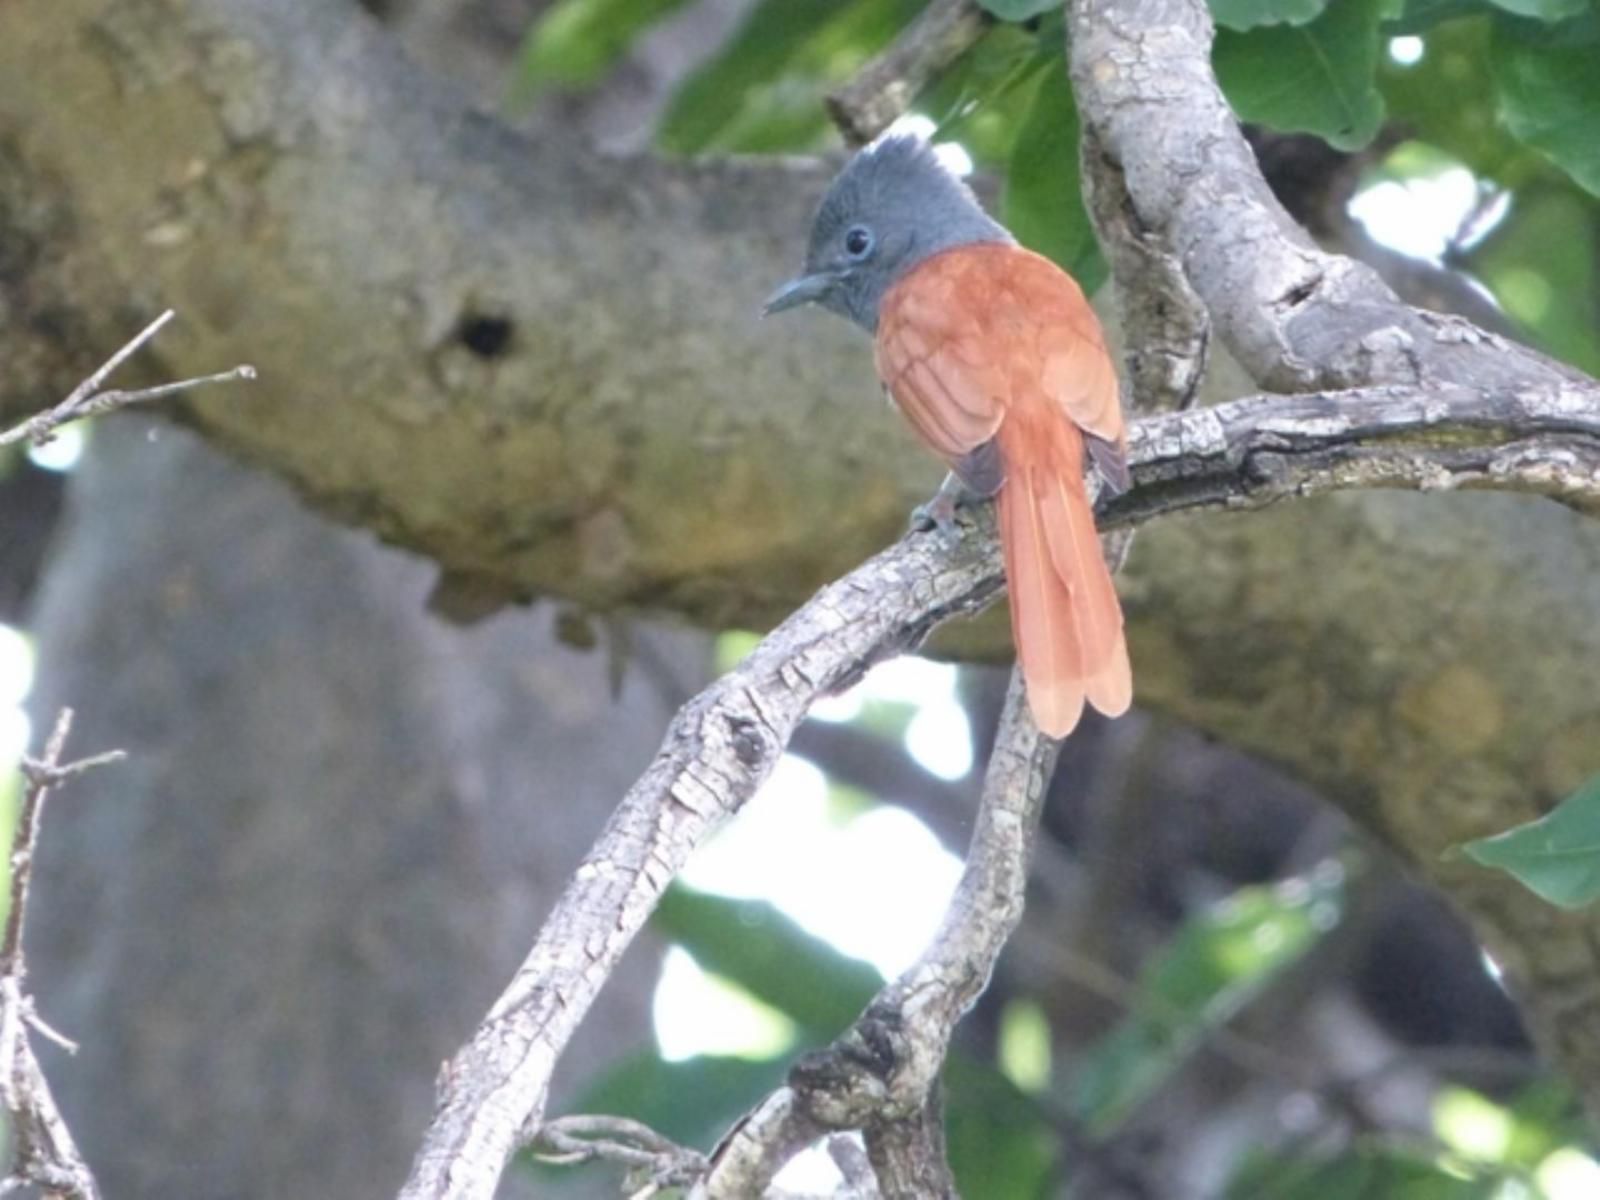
(892, 206)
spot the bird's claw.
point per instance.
(941, 515)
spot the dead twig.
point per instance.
(87, 400)
(44, 1154)
(653, 1161)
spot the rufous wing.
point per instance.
(992, 341)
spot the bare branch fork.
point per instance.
(1386, 396)
(44, 1153)
(881, 1076)
(87, 400)
(723, 744)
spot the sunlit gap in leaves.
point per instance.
(1407, 51)
(1423, 203)
(16, 681)
(887, 876)
(727, 1019)
(1484, 1133)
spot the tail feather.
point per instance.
(1065, 615)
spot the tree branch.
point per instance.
(881, 1075)
(883, 90)
(44, 1153)
(1167, 147)
(87, 400)
(908, 1155)
(655, 1161)
(1298, 318)
(723, 744)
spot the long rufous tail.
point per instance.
(1065, 615)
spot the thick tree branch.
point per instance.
(719, 749)
(908, 1155)
(1165, 327)
(1164, 143)
(725, 741)
(43, 1152)
(1167, 148)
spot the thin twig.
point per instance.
(44, 1154)
(660, 1161)
(87, 400)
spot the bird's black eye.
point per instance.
(858, 241)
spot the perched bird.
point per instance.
(997, 360)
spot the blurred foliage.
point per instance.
(1557, 856)
(1219, 961)
(1548, 89)
(1043, 202)
(575, 42)
(1243, 15)
(1365, 1173)
(763, 91)
(1001, 1142)
(1480, 1150)
(1508, 90)
(755, 946)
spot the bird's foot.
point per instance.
(947, 514)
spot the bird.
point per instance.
(1000, 366)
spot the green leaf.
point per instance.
(1558, 856)
(1544, 10)
(1540, 262)
(1000, 1141)
(1241, 15)
(576, 41)
(763, 91)
(1043, 200)
(1442, 100)
(1217, 963)
(753, 944)
(1315, 78)
(1419, 16)
(981, 100)
(1019, 10)
(1547, 87)
(1367, 1173)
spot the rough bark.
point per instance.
(1453, 720)
(496, 352)
(337, 824)
(542, 369)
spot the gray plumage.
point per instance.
(908, 204)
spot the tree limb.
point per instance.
(1298, 318)
(881, 1075)
(1166, 144)
(723, 744)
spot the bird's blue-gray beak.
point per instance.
(807, 289)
